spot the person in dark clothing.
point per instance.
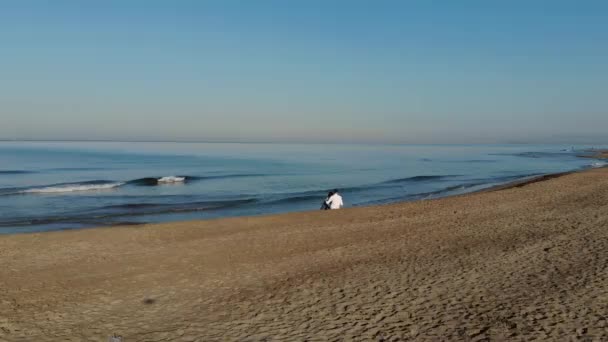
(325, 206)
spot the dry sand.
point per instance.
(517, 264)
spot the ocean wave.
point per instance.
(78, 169)
(351, 190)
(467, 185)
(462, 161)
(420, 195)
(599, 164)
(73, 187)
(422, 178)
(106, 184)
(172, 179)
(15, 172)
(152, 181)
(179, 206)
(62, 187)
(296, 198)
(21, 172)
(116, 214)
(139, 209)
(119, 213)
(94, 185)
(146, 181)
(208, 205)
(132, 206)
(146, 208)
(480, 161)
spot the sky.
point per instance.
(305, 71)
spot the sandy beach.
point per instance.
(523, 263)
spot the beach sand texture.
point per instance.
(517, 264)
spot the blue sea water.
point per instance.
(66, 185)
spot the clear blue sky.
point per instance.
(363, 71)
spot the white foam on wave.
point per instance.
(599, 164)
(172, 179)
(72, 188)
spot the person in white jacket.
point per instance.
(335, 201)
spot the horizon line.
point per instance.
(286, 142)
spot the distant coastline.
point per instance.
(596, 154)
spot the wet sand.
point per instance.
(523, 263)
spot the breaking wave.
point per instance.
(15, 172)
(422, 178)
(97, 185)
(72, 187)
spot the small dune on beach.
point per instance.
(517, 264)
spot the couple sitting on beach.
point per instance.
(333, 201)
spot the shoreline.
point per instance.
(523, 181)
(527, 181)
(514, 264)
(597, 154)
(91, 213)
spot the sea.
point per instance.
(47, 186)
